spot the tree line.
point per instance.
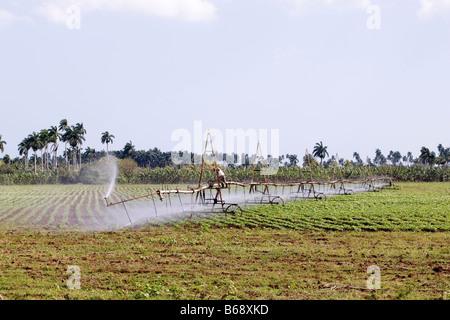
(42, 147)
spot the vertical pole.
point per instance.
(203, 161)
(154, 205)
(127, 212)
(181, 203)
(309, 164)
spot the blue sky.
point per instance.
(311, 69)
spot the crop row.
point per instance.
(54, 205)
(427, 208)
(387, 211)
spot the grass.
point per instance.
(272, 253)
(185, 263)
(416, 207)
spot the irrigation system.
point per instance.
(229, 197)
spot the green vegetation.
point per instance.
(130, 172)
(415, 207)
(156, 167)
(305, 250)
(192, 263)
(384, 211)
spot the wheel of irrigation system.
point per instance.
(277, 200)
(348, 192)
(233, 209)
(320, 196)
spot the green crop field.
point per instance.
(416, 207)
(384, 211)
(303, 250)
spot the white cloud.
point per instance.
(429, 8)
(187, 10)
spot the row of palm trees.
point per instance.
(430, 157)
(426, 156)
(47, 140)
(72, 136)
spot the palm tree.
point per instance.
(444, 154)
(23, 148)
(2, 144)
(35, 144)
(90, 153)
(53, 136)
(293, 159)
(107, 138)
(426, 156)
(44, 137)
(63, 125)
(409, 157)
(73, 136)
(67, 136)
(128, 150)
(396, 157)
(320, 151)
(379, 159)
(81, 131)
(440, 147)
(69, 155)
(357, 157)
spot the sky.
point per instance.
(357, 75)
